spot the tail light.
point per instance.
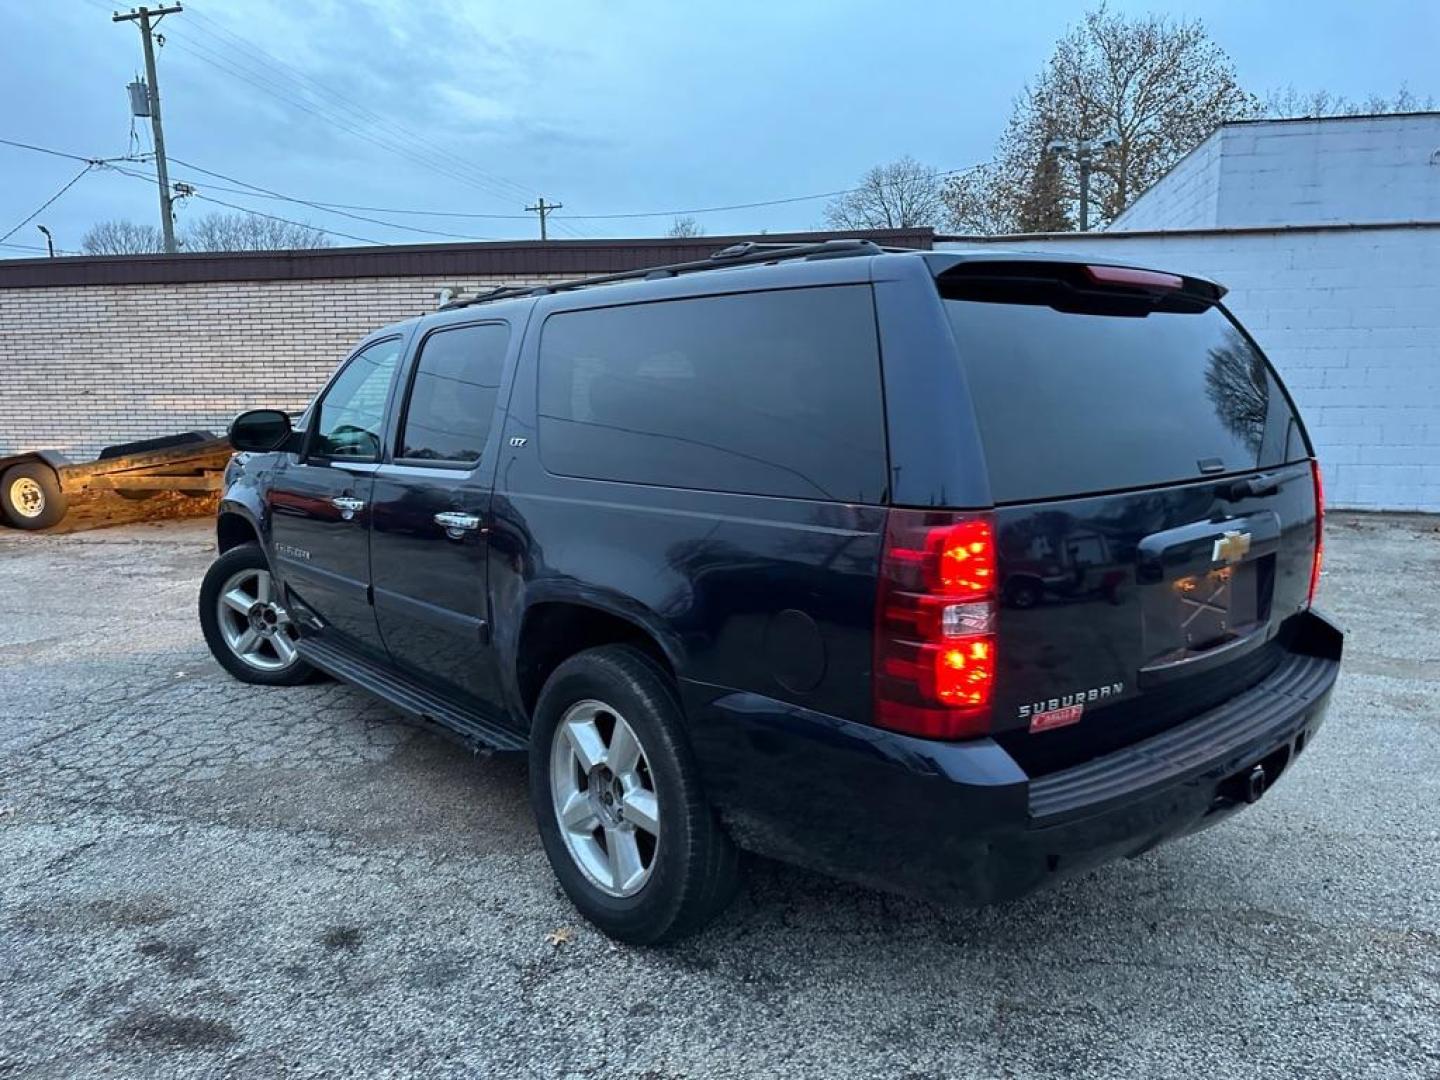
(935, 624)
(1319, 530)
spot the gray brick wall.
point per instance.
(1351, 318)
(86, 366)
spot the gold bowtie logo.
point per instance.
(1231, 548)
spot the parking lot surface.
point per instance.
(200, 878)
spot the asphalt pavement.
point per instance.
(203, 879)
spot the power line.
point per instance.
(256, 191)
(321, 206)
(36, 247)
(421, 149)
(38, 210)
(224, 65)
(317, 88)
(61, 153)
(287, 221)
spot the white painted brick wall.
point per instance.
(1184, 198)
(83, 367)
(1338, 170)
(1350, 318)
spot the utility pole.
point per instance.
(544, 208)
(150, 18)
(1084, 152)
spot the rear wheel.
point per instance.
(247, 629)
(30, 495)
(617, 798)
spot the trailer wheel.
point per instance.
(30, 495)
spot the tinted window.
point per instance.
(352, 413)
(1072, 402)
(452, 394)
(774, 393)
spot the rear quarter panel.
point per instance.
(705, 573)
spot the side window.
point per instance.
(770, 393)
(351, 416)
(452, 394)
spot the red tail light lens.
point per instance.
(935, 625)
(1319, 531)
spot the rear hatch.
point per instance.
(1155, 507)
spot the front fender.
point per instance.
(244, 497)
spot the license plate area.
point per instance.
(1206, 587)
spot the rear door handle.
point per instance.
(453, 521)
(1252, 487)
(345, 502)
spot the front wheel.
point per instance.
(248, 630)
(617, 798)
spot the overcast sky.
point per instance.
(609, 108)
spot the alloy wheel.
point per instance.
(255, 627)
(604, 797)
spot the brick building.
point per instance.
(100, 350)
(1327, 233)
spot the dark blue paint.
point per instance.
(791, 761)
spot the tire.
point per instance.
(267, 660)
(693, 868)
(30, 496)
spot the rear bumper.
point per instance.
(961, 821)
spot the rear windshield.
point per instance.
(1073, 402)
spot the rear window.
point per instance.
(768, 393)
(1072, 402)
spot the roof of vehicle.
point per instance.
(749, 265)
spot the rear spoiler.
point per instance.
(1099, 288)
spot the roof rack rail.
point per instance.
(742, 254)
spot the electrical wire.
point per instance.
(287, 221)
(256, 191)
(265, 192)
(214, 29)
(73, 181)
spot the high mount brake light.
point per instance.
(1319, 531)
(935, 624)
(1143, 279)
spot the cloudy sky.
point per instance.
(624, 107)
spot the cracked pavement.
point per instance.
(200, 878)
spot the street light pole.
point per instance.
(1083, 152)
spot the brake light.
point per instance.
(935, 624)
(1126, 275)
(1319, 531)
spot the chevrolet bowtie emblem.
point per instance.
(1231, 548)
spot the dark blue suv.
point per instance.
(946, 572)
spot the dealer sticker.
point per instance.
(1044, 721)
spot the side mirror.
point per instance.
(261, 431)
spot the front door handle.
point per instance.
(347, 506)
(456, 522)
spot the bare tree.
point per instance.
(685, 226)
(1289, 103)
(119, 237)
(901, 195)
(250, 232)
(1157, 85)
